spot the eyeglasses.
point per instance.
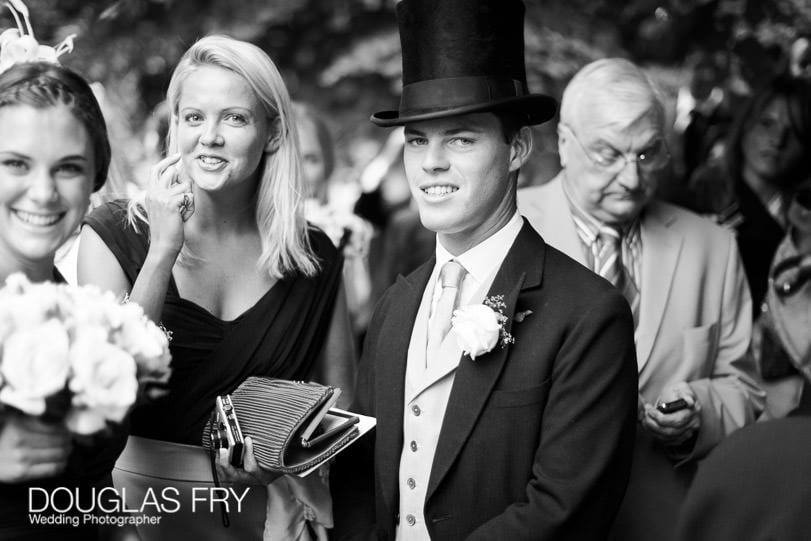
(652, 159)
(790, 275)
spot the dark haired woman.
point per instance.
(54, 153)
(768, 155)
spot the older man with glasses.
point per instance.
(681, 274)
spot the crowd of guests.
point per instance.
(652, 376)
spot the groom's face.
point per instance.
(458, 169)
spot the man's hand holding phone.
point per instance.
(673, 405)
(675, 418)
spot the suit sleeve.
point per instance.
(730, 398)
(582, 463)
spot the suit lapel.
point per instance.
(660, 255)
(474, 380)
(390, 380)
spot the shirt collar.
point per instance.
(590, 227)
(485, 258)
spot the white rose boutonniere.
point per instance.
(479, 327)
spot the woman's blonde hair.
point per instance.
(279, 216)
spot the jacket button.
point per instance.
(411, 520)
(415, 409)
(414, 446)
(411, 483)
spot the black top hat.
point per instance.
(463, 56)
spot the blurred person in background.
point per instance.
(799, 62)
(767, 155)
(401, 243)
(702, 115)
(754, 485)
(351, 234)
(752, 64)
(782, 335)
(681, 275)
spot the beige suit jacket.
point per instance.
(695, 308)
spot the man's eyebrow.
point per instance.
(463, 129)
(412, 131)
(449, 131)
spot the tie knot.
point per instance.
(610, 236)
(451, 274)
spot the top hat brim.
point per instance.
(535, 108)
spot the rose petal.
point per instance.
(476, 329)
(85, 421)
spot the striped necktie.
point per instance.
(450, 278)
(607, 250)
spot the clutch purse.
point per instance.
(290, 424)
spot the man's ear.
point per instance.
(520, 148)
(274, 137)
(562, 138)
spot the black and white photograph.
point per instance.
(405, 270)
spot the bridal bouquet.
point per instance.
(75, 354)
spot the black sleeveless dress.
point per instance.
(280, 336)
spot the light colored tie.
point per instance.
(608, 264)
(450, 278)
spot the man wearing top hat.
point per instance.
(515, 418)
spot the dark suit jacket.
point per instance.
(754, 485)
(537, 438)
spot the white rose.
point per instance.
(35, 366)
(144, 340)
(85, 421)
(30, 305)
(90, 306)
(17, 283)
(103, 381)
(476, 328)
(7, 324)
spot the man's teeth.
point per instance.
(41, 220)
(440, 190)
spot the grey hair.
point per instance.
(613, 80)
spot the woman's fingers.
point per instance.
(250, 464)
(165, 173)
(31, 448)
(225, 471)
(45, 469)
(252, 467)
(251, 473)
(32, 433)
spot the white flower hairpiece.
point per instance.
(18, 45)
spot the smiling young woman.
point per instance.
(219, 251)
(54, 152)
